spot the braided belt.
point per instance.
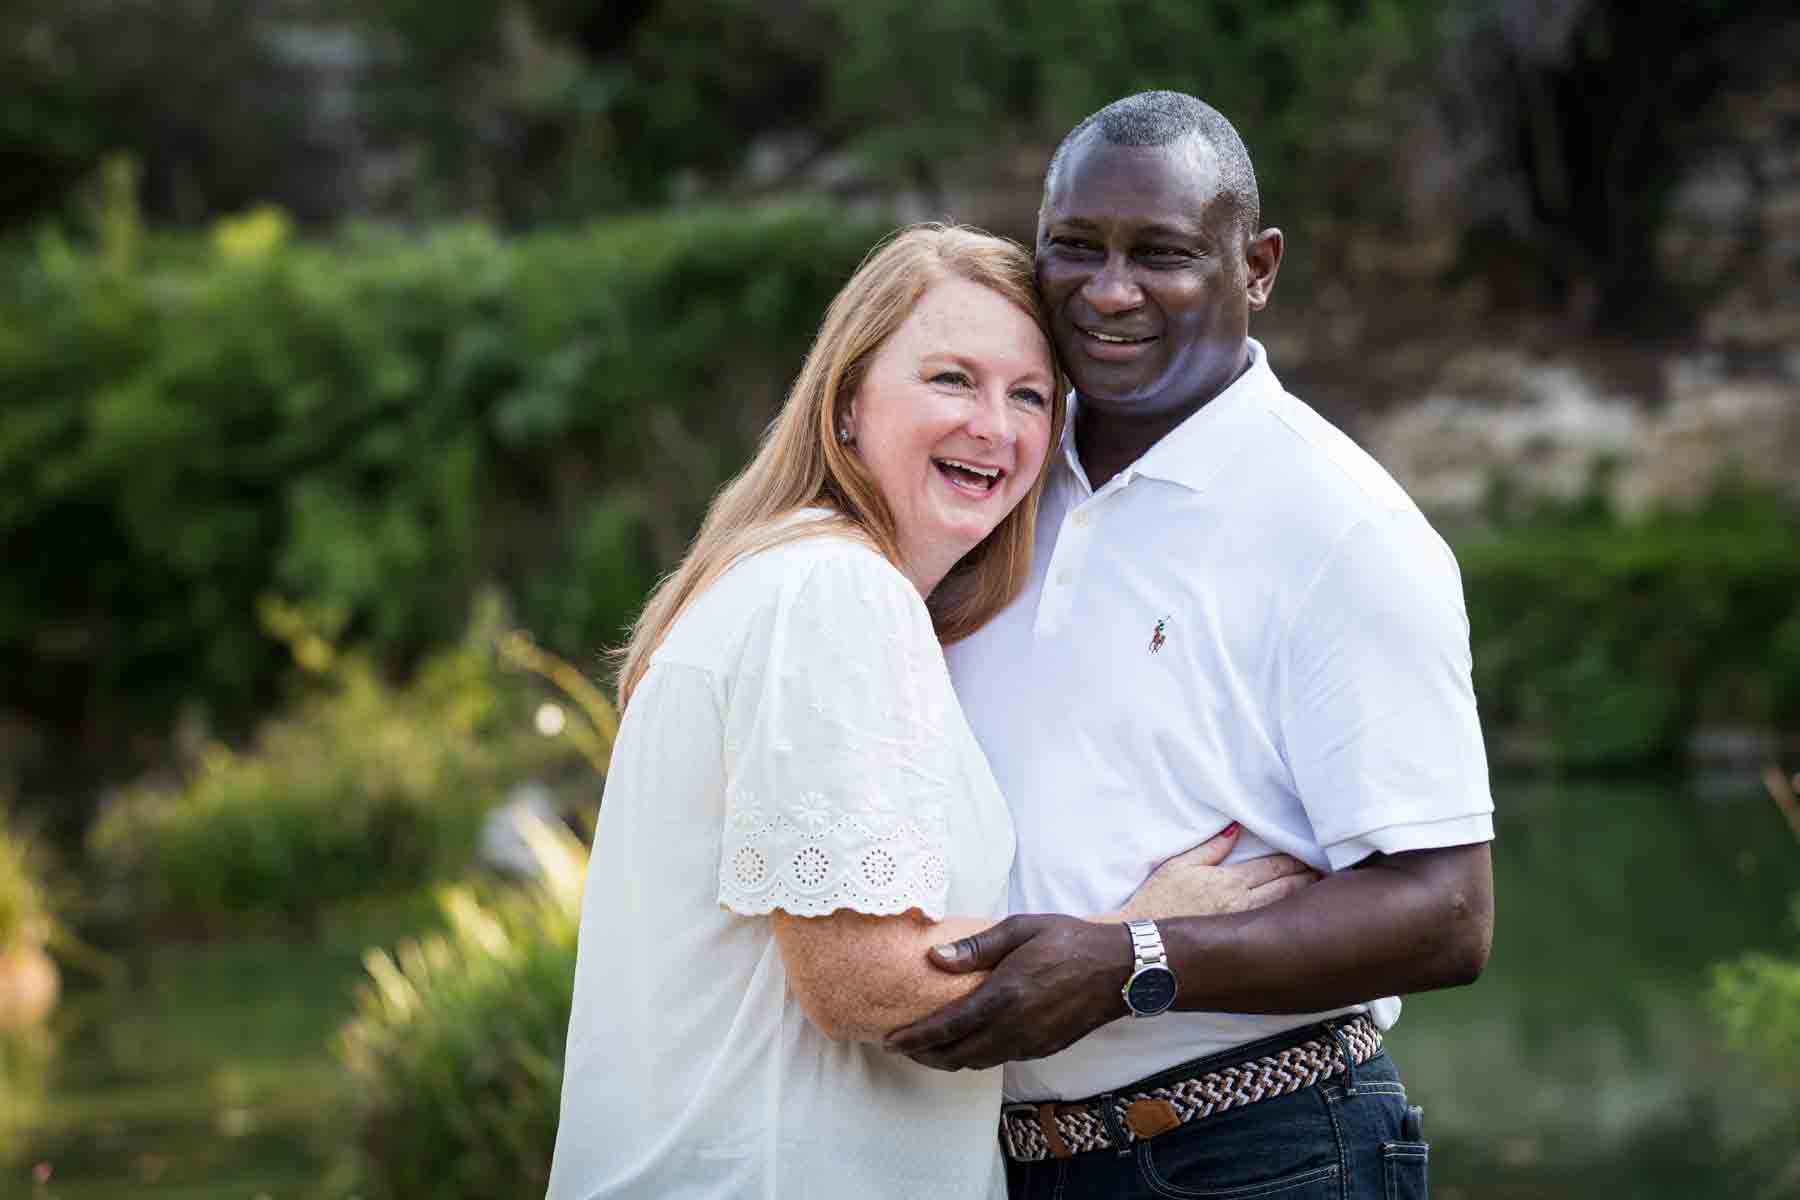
(1053, 1129)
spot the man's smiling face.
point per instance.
(1142, 262)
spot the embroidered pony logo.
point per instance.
(1156, 635)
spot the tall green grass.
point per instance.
(361, 788)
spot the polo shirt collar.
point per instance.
(1193, 452)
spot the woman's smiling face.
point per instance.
(952, 420)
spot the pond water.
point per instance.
(1582, 1063)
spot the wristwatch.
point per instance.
(1151, 988)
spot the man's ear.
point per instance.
(1263, 258)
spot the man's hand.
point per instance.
(1398, 923)
(1055, 979)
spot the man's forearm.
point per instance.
(1400, 923)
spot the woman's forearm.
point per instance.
(859, 977)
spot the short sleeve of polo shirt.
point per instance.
(1378, 708)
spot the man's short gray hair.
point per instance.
(1160, 118)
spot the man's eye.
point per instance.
(1166, 253)
(1076, 244)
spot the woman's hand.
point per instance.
(1194, 884)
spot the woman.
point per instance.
(795, 801)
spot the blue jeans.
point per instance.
(1318, 1143)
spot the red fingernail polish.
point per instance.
(1229, 830)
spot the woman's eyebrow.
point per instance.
(974, 367)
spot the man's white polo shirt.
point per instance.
(1254, 623)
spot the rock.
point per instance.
(1541, 425)
(500, 847)
(1709, 428)
(1716, 191)
(1544, 426)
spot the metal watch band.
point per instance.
(1146, 944)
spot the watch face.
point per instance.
(1152, 990)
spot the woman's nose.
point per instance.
(989, 419)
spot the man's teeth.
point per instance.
(1107, 337)
(984, 472)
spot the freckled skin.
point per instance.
(860, 977)
(967, 376)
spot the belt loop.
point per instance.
(1115, 1126)
(1343, 1047)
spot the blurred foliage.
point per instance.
(664, 98)
(1569, 120)
(25, 1058)
(376, 424)
(24, 906)
(527, 111)
(25, 926)
(1556, 129)
(456, 1049)
(1757, 999)
(218, 128)
(360, 789)
(1614, 641)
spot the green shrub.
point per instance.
(24, 909)
(1756, 999)
(457, 1047)
(362, 788)
(456, 1050)
(380, 423)
(25, 923)
(1613, 642)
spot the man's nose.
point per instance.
(1111, 289)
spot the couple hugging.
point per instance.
(1147, 655)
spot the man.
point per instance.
(1235, 615)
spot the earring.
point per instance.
(843, 436)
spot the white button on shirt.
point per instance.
(1253, 622)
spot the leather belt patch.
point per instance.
(1034, 1132)
(1052, 1135)
(1147, 1118)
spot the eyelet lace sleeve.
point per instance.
(837, 762)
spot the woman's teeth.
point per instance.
(981, 477)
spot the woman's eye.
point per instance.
(1031, 397)
(951, 378)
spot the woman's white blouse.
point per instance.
(795, 744)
